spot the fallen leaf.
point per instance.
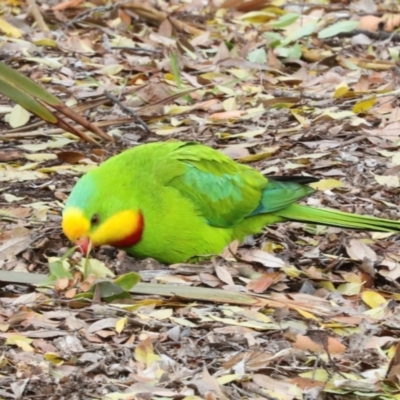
(70, 157)
(357, 250)
(266, 259)
(391, 181)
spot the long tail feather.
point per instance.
(330, 217)
(293, 178)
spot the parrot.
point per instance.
(174, 201)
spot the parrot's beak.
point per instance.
(76, 227)
(84, 245)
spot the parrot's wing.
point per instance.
(223, 191)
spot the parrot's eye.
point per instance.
(95, 219)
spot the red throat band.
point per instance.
(134, 237)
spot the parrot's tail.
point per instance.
(327, 216)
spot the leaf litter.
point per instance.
(300, 311)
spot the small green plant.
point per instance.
(87, 278)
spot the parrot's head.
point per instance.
(95, 214)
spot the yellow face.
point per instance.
(122, 229)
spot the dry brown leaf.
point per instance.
(370, 23)
(224, 275)
(393, 371)
(261, 284)
(14, 246)
(70, 157)
(357, 250)
(308, 344)
(262, 257)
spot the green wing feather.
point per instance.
(278, 195)
(223, 191)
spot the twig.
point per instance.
(37, 15)
(321, 337)
(136, 50)
(128, 110)
(354, 140)
(21, 134)
(381, 35)
(89, 12)
(249, 394)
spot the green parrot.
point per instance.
(174, 201)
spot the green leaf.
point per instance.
(192, 293)
(26, 85)
(177, 74)
(274, 36)
(84, 296)
(275, 39)
(339, 27)
(229, 45)
(127, 281)
(394, 53)
(175, 69)
(258, 56)
(24, 99)
(285, 20)
(108, 289)
(303, 31)
(120, 296)
(95, 267)
(58, 270)
(293, 52)
(69, 252)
